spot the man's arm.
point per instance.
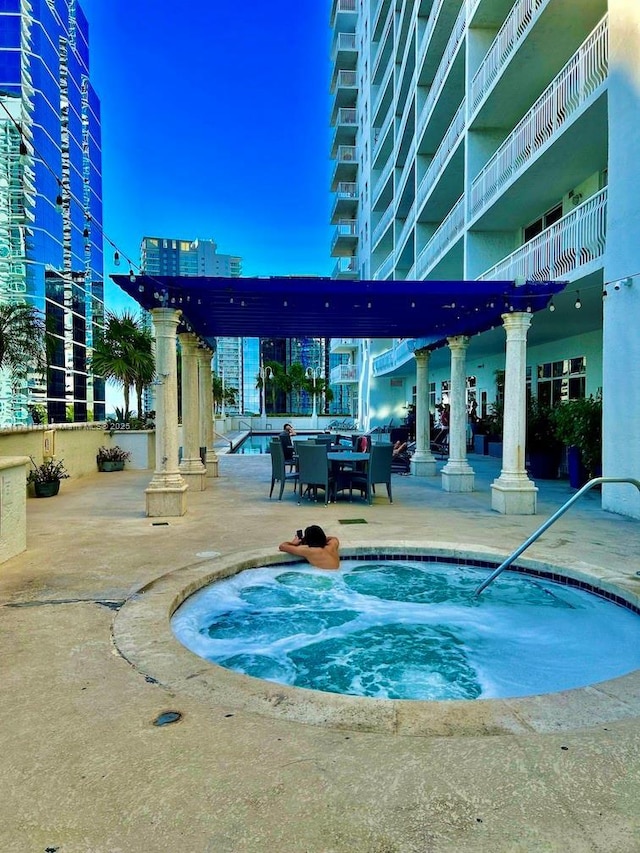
(294, 547)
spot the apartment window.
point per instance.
(559, 381)
(543, 222)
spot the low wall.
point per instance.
(77, 445)
(13, 506)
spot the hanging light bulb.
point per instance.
(116, 258)
(132, 275)
(578, 303)
(552, 306)
(85, 233)
(59, 203)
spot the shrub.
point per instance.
(112, 454)
(48, 472)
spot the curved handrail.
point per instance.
(536, 534)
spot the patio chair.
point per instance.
(279, 471)
(313, 470)
(378, 471)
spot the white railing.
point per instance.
(577, 81)
(382, 89)
(340, 344)
(385, 267)
(522, 16)
(343, 42)
(406, 171)
(446, 62)
(384, 177)
(347, 154)
(343, 373)
(449, 142)
(382, 226)
(345, 228)
(440, 241)
(347, 189)
(346, 6)
(381, 44)
(571, 242)
(347, 115)
(345, 266)
(382, 135)
(409, 223)
(428, 32)
(345, 79)
(398, 355)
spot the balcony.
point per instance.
(442, 156)
(346, 167)
(345, 205)
(386, 267)
(344, 374)
(344, 88)
(345, 238)
(345, 121)
(344, 345)
(346, 269)
(581, 77)
(561, 251)
(344, 14)
(381, 227)
(396, 357)
(344, 53)
(448, 232)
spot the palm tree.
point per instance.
(124, 355)
(22, 339)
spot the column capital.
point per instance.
(422, 355)
(516, 321)
(204, 353)
(189, 341)
(458, 342)
(165, 317)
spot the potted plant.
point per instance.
(543, 447)
(46, 477)
(578, 425)
(493, 425)
(112, 458)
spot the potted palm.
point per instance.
(543, 447)
(112, 458)
(46, 477)
(578, 425)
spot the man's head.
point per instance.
(314, 536)
(287, 427)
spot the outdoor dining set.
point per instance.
(333, 466)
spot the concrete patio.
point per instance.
(86, 771)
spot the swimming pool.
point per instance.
(410, 629)
(257, 443)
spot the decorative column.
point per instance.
(205, 390)
(423, 463)
(513, 493)
(191, 466)
(166, 493)
(457, 474)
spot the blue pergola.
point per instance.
(430, 311)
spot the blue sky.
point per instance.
(215, 124)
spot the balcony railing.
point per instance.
(347, 115)
(577, 81)
(521, 18)
(385, 267)
(571, 242)
(345, 268)
(347, 154)
(343, 42)
(344, 344)
(398, 355)
(380, 136)
(382, 226)
(343, 374)
(449, 142)
(428, 32)
(448, 231)
(345, 79)
(446, 62)
(384, 177)
(346, 228)
(347, 189)
(381, 91)
(409, 223)
(381, 44)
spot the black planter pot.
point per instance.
(578, 474)
(111, 466)
(46, 490)
(544, 464)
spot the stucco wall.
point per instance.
(13, 506)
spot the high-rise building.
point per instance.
(51, 202)
(169, 256)
(477, 139)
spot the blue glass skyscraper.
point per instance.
(51, 201)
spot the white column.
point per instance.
(191, 466)
(205, 392)
(166, 493)
(513, 493)
(423, 463)
(457, 474)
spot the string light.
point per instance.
(578, 303)
(552, 306)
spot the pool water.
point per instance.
(257, 443)
(409, 630)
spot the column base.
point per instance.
(168, 501)
(515, 497)
(423, 465)
(196, 480)
(458, 480)
(212, 463)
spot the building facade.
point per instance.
(51, 203)
(493, 139)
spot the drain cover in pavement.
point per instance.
(352, 521)
(167, 717)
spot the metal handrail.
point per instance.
(223, 437)
(536, 534)
(248, 425)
